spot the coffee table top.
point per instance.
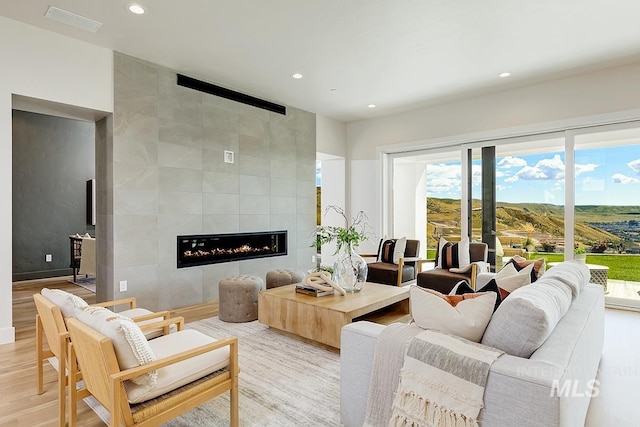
(372, 296)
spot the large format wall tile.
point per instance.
(170, 178)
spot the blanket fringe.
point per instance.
(411, 410)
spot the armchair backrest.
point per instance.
(412, 249)
(52, 323)
(478, 251)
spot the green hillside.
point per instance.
(517, 221)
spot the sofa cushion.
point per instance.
(573, 274)
(67, 302)
(176, 375)
(510, 278)
(129, 343)
(526, 319)
(462, 315)
(387, 248)
(453, 254)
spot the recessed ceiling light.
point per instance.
(136, 8)
(371, 105)
(296, 75)
(505, 74)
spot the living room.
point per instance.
(85, 79)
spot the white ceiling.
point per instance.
(397, 54)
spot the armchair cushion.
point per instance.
(131, 346)
(453, 254)
(178, 374)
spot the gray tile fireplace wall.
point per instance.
(170, 179)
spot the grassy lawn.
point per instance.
(621, 267)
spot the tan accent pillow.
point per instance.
(67, 302)
(467, 318)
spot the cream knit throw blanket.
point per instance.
(442, 381)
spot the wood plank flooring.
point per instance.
(19, 403)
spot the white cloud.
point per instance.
(589, 167)
(500, 187)
(635, 165)
(512, 162)
(623, 179)
(443, 179)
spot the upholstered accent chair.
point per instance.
(53, 308)
(443, 280)
(183, 370)
(384, 270)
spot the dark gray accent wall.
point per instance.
(53, 158)
(165, 176)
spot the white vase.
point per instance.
(582, 258)
(350, 270)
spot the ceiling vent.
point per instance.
(72, 19)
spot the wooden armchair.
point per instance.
(443, 280)
(389, 273)
(211, 370)
(50, 324)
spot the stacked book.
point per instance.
(308, 290)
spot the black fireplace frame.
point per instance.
(237, 239)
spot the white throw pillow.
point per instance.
(467, 319)
(399, 248)
(131, 346)
(67, 302)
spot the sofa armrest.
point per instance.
(358, 342)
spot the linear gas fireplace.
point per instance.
(204, 249)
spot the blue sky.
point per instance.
(604, 176)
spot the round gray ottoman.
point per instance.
(276, 278)
(239, 298)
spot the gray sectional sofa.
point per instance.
(550, 384)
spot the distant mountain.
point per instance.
(541, 221)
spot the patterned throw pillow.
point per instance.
(386, 250)
(465, 316)
(509, 278)
(463, 288)
(539, 266)
(453, 255)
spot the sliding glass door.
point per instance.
(561, 195)
(607, 209)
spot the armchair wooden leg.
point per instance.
(62, 383)
(400, 268)
(39, 355)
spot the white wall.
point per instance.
(331, 136)
(41, 64)
(599, 97)
(602, 92)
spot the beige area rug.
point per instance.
(283, 381)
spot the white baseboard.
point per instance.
(7, 335)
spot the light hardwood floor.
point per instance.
(19, 403)
(615, 405)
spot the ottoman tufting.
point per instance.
(283, 277)
(239, 298)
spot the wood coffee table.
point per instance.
(320, 319)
